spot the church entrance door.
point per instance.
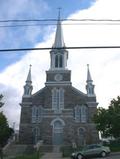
(57, 133)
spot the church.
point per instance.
(58, 114)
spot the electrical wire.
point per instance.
(42, 20)
(49, 48)
(81, 22)
(35, 25)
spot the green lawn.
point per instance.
(29, 156)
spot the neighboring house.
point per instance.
(58, 114)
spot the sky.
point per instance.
(14, 66)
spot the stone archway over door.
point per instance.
(57, 133)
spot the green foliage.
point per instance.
(101, 121)
(5, 131)
(1, 103)
(66, 151)
(108, 120)
(30, 156)
(115, 145)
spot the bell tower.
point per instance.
(58, 72)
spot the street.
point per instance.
(112, 156)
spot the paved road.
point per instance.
(59, 156)
(112, 156)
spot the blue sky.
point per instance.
(19, 37)
(14, 66)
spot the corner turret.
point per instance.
(89, 86)
(28, 86)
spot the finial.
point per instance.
(30, 67)
(88, 65)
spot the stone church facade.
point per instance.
(58, 114)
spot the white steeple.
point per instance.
(59, 40)
(59, 54)
(28, 86)
(89, 86)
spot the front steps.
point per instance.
(16, 150)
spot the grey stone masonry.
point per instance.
(43, 98)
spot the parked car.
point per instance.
(94, 150)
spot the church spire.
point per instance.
(28, 86)
(89, 86)
(59, 57)
(59, 40)
(89, 79)
(29, 76)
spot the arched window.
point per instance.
(90, 89)
(77, 113)
(83, 114)
(58, 61)
(82, 136)
(80, 113)
(61, 98)
(58, 99)
(36, 134)
(36, 114)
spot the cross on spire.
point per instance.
(59, 12)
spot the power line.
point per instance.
(35, 25)
(42, 20)
(49, 48)
(81, 22)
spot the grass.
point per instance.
(35, 155)
(114, 146)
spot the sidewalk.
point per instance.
(53, 156)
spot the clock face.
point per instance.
(58, 77)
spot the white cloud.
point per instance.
(104, 64)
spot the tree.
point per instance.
(100, 119)
(114, 117)
(108, 120)
(5, 130)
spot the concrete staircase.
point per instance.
(56, 149)
(16, 149)
(55, 154)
